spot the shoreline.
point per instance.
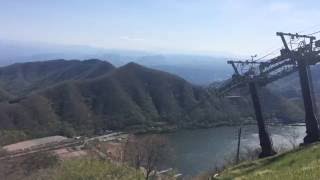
(172, 129)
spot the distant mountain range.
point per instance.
(197, 69)
(86, 97)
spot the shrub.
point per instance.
(94, 169)
(37, 161)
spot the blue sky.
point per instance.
(241, 27)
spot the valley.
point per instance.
(73, 98)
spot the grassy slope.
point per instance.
(303, 163)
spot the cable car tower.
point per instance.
(254, 74)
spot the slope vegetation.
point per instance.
(87, 97)
(303, 163)
(22, 78)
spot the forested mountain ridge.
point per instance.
(22, 78)
(86, 97)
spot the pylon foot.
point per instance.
(310, 139)
(267, 154)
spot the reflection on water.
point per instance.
(200, 150)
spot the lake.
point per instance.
(196, 151)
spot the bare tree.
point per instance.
(149, 152)
(293, 139)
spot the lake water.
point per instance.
(196, 151)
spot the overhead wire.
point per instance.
(314, 33)
(273, 51)
(306, 29)
(277, 49)
(268, 54)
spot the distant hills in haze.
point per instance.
(197, 69)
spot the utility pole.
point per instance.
(238, 147)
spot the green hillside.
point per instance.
(22, 78)
(87, 97)
(302, 163)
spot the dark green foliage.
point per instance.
(86, 97)
(11, 136)
(37, 161)
(22, 78)
(22, 167)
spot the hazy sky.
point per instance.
(197, 26)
